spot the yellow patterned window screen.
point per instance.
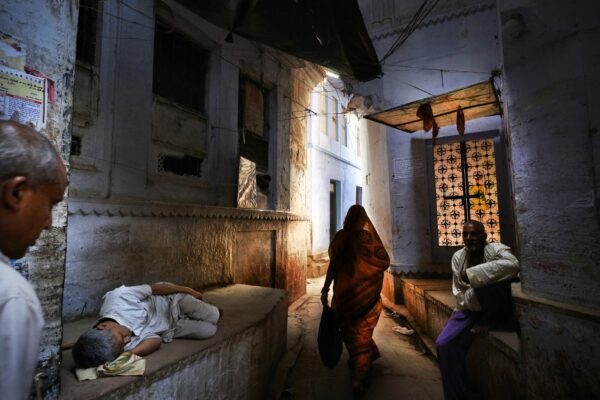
(466, 188)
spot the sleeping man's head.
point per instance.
(101, 344)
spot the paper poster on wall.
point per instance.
(12, 52)
(22, 97)
(412, 167)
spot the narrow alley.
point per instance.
(216, 157)
(403, 371)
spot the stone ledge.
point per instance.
(252, 332)
(437, 293)
(160, 210)
(493, 361)
(574, 309)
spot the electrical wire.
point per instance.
(416, 20)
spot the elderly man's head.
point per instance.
(474, 236)
(101, 344)
(32, 181)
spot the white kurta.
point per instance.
(136, 308)
(21, 323)
(499, 265)
(165, 317)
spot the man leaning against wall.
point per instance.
(32, 181)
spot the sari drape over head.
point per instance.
(359, 260)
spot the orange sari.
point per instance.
(358, 261)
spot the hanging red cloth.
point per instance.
(460, 121)
(426, 114)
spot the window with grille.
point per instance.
(85, 87)
(465, 188)
(86, 31)
(329, 109)
(180, 68)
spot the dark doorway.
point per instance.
(334, 207)
(359, 195)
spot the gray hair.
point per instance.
(95, 347)
(25, 152)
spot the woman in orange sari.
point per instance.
(357, 263)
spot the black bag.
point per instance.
(329, 339)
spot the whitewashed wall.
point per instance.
(458, 37)
(332, 160)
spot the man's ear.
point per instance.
(127, 339)
(11, 192)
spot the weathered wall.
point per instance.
(135, 243)
(136, 224)
(296, 245)
(454, 47)
(303, 82)
(560, 349)
(48, 29)
(376, 177)
(550, 60)
(553, 120)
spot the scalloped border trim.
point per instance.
(170, 210)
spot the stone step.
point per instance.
(493, 361)
(236, 363)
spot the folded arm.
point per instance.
(329, 277)
(464, 293)
(161, 289)
(503, 267)
(328, 280)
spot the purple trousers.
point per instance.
(456, 338)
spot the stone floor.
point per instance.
(403, 371)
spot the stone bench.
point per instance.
(236, 363)
(494, 359)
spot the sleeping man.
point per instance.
(139, 318)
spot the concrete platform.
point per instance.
(493, 362)
(237, 363)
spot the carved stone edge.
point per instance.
(172, 210)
